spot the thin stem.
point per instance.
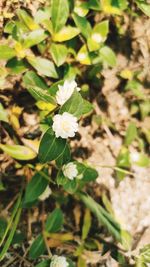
(113, 167)
(43, 232)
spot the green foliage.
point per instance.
(37, 87)
(35, 187)
(59, 53)
(3, 114)
(18, 152)
(53, 224)
(43, 66)
(62, 56)
(59, 14)
(131, 133)
(6, 52)
(14, 220)
(143, 259)
(107, 220)
(51, 147)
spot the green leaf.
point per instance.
(71, 186)
(51, 147)
(71, 105)
(83, 56)
(83, 24)
(98, 35)
(37, 87)
(3, 226)
(35, 187)
(43, 66)
(59, 53)
(44, 263)
(108, 56)
(86, 224)
(16, 214)
(111, 7)
(42, 14)
(131, 134)
(16, 66)
(6, 52)
(107, 220)
(66, 33)
(54, 221)
(145, 7)
(64, 157)
(32, 79)
(144, 108)
(136, 88)
(142, 160)
(53, 224)
(143, 259)
(81, 8)
(9, 27)
(94, 4)
(35, 37)
(86, 173)
(27, 19)
(37, 248)
(123, 161)
(59, 13)
(18, 152)
(87, 107)
(3, 114)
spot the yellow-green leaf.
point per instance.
(59, 53)
(59, 13)
(83, 56)
(66, 33)
(43, 66)
(6, 52)
(27, 19)
(3, 114)
(45, 106)
(18, 152)
(108, 8)
(86, 224)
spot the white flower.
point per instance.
(59, 261)
(97, 38)
(70, 170)
(65, 91)
(65, 125)
(47, 192)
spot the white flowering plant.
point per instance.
(57, 56)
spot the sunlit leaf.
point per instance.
(83, 24)
(34, 38)
(145, 7)
(83, 56)
(43, 66)
(6, 52)
(59, 13)
(131, 133)
(18, 152)
(108, 56)
(59, 53)
(3, 114)
(27, 19)
(66, 33)
(86, 224)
